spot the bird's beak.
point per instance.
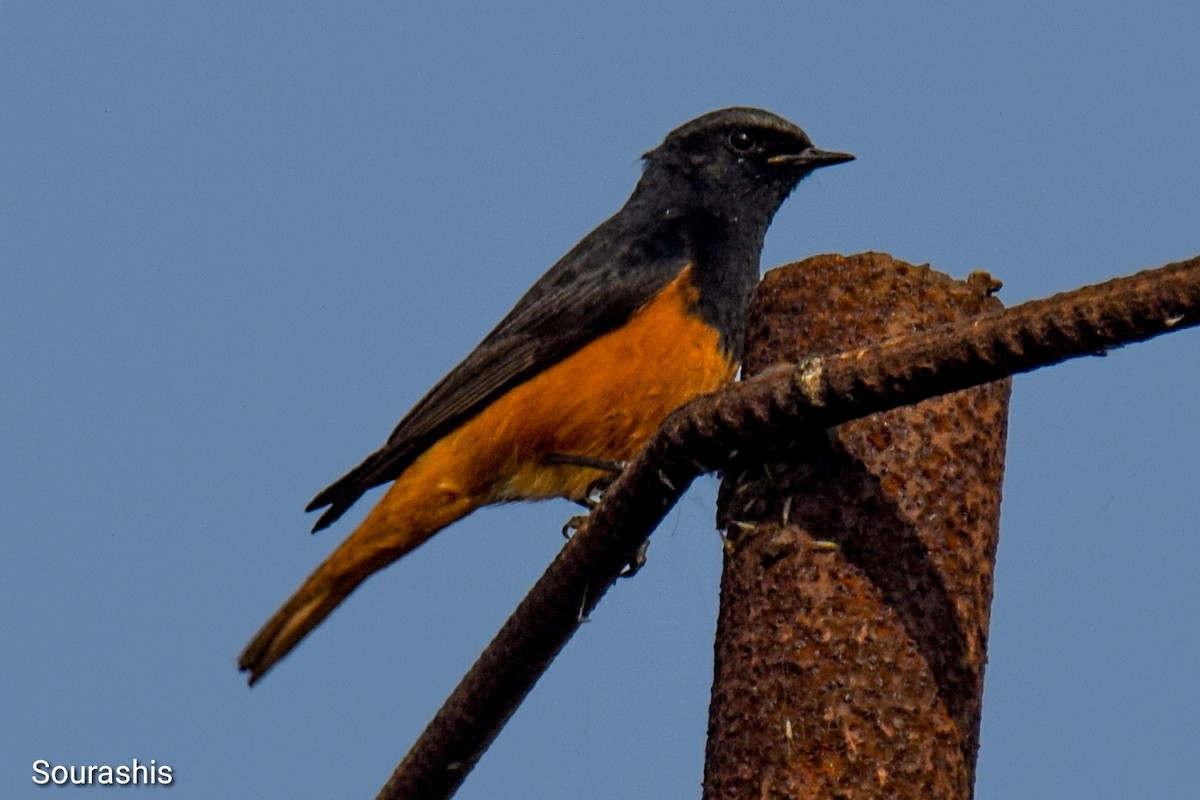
(812, 158)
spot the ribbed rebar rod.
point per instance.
(820, 392)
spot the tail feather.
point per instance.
(416, 507)
(382, 466)
(377, 542)
(306, 609)
(344, 492)
(440, 487)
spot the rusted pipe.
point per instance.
(854, 602)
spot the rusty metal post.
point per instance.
(858, 574)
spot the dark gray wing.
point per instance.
(593, 289)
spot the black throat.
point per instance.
(720, 233)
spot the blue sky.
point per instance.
(237, 241)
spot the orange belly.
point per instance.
(603, 401)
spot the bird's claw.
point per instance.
(595, 491)
(574, 525)
(577, 523)
(637, 562)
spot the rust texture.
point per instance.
(854, 603)
(771, 407)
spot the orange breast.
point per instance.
(603, 401)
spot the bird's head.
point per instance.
(727, 159)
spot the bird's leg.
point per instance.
(591, 499)
(595, 490)
(614, 468)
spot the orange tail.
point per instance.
(418, 505)
(311, 603)
(581, 406)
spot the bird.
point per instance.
(645, 313)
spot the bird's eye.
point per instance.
(742, 140)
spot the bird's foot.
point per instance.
(578, 523)
(637, 562)
(591, 499)
(596, 488)
(574, 525)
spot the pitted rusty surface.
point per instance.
(853, 626)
